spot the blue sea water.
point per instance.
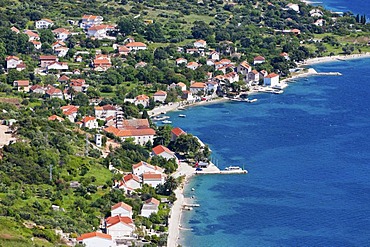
(355, 6)
(308, 156)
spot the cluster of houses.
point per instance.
(119, 227)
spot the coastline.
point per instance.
(187, 171)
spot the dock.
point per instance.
(213, 169)
(329, 73)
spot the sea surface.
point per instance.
(308, 156)
(355, 6)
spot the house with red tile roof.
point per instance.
(90, 20)
(102, 63)
(181, 60)
(57, 66)
(142, 99)
(37, 44)
(271, 80)
(46, 60)
(214, 56)
(140, 136)
(160, 96)
(70, 111)
(53, 92)
(96, 239)
(200, 43)
(61, 33)
(37, 89)
(89, 122)
(22, 85)
(120, 227)
(105, 111)
(198, 87)
(14, 29)
(121, 209)
(244, 68)
(99, 31)
(150, 206)
(136, 46)
(12, 62)
(164, 152)
(176, 132)
(44, 23)
(192, 65)
(143, 167)
(31, 35)
(182, 86)
(153, 179)
(258, 60)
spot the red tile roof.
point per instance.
(118, 219)
(272, 75)
(152, 201)
(136, 44)
(152, 176)
(87, 119)
(259, 58)
(122, 205)
(160, 93)
(142, 97)
(157, 168)
(131, 176)
(129, 132)
(55, 117)
(198, 85)
(11, 57)
(178, 131)
(160, 149)
(94, 234)
(48, 57)
(22, 83)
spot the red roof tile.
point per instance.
(122, 205)
(94, 234)
(178, 131)
(160, 149)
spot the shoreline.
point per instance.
(184, 169)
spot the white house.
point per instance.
(136, 46)
(121, 209)
(212, 86)
(37, 44)
(89, 122)
(61, 33)
(61, 51)
(192, 65)
(120, 227)
(12, 62)
(105, 111)
(319, 22)
(96, 239)
(258, 60)
(200, 43)
(214, 56)
(244, 68)
(32, 35)
(142, 99)
(143, 167)
(182, 86)
(153, 179)
(44, 24)
(271, 80)
(131, 182)
(37, 89)
(285, 55)
(164, 152)
(90, 20)
(22, 85)
(70, 111)
(58, 66)
(181, 60)
(140, 136)
(99, 31)
(160, 96)
(150, 206)
(198, 87)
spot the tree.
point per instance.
(46, 36)
(80, 100)
(201, 30)
(186, 144)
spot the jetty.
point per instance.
(213, 169)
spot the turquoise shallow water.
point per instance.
(307, 152)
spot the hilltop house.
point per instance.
(61, 34)
(57, 66)
(37, 89)
(150, 206)
(95, 239)
(192, 65)
(129, 183)
(99, 31)
(90, 20)
(31, 35)
(44, 24)
(102, 63)
(142, 99)
(121, 209)
(70, 111)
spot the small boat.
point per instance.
(182, 115)
(192, 189)
(278, 92)
(233, 168)
(180, 108)
(166, 122)
(251, 100)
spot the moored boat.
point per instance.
(182, 115)
(166, 122)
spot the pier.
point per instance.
(213, 169)
(328, 73)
